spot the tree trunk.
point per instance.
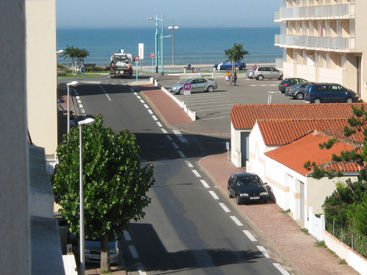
(105, 254)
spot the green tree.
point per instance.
(236, 53)
(76, 55)
(114, 179)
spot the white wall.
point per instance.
(235, 146)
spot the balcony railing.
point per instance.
(314, 42)
(345, 11)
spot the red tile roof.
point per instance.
(297, 153)
(280, 132)
(243, 116)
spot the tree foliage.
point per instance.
(114, 179)
(76, 55)
(236, 53)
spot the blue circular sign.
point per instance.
(82, 69)
(187, 86)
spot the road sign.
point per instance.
(141, 51)
(82, 69)
(187, 86)
(152, 54)
(136, 58)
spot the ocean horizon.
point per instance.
(192, 45)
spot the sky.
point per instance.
(185, 13)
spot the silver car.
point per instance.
(198, 84)
(268, 72)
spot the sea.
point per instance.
(192, 45)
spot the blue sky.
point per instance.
(185, 13)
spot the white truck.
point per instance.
(121, 64)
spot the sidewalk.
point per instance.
(281, 232)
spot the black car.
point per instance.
(288, 82)
(246, 187)
(296, 91)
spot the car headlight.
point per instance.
(264, 194)
(244, 195)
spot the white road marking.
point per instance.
(214, 195)
(253, 85)
(203, 182)
(142, 101)
(108, 97)
(249, 235)
(82, 111)
(263, 85)
(146, 106)
(154, 117)
(188, 163)
(196, 173)
(159, 124)
(164, 130)
(169, 138)
(150, 111)
(175, 145)
(80, 106)
(133, 252)
(135, 93)
(180, 136)
(281, 269)
(224, 207)
(236, 221)
(141, 269)
(77, 97)
(138, 96)
(127, 236)
(79, 101)
(182, 155)
(263, 251)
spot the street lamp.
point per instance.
(86, 121)
(156, 19)
(173, 29)
(60, 51)
(73, 83)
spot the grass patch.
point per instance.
(332, 252)
(342, 261)
(79, 75)
(304, 230)
(320, 244)
(285, 211)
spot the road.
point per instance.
(189, 228)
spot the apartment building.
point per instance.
(325, 41)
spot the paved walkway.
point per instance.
(280, 231)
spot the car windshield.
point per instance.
(249, 181)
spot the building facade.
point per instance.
(325, 41)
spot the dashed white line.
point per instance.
(154, 117)
(281, 269)
(77, 97)
(188, 163)
(214, 195)
(135, 93)
(138, 96)
(169, 138)
(159, 124)
(146, 106)
(133, 252)
(150, 111)
(249, 235)
(82, 111)
(180, 136)
(175, 145)
(203, 182)
(182, 155)
(164, 130)
(80, 106)
(79, 101)
(142, 101)
(108, 97)
(196, 173)
(263, 251)
(224, 207)
(236, 221)
(127, 236)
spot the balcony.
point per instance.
(339, 11)
(337, 44)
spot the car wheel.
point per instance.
(317, 101)
(229, 194)
(299, 96)
(260, 77)
(281, 77)
(349, 100)
(210, 89)
(180, 92)
(238, 201)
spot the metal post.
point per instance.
(156, 44)
(162, 46)
(81, 206)
(68, 110)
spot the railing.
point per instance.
(316, 12)
(313, 42)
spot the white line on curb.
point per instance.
(203, 182)
(82, 111)
(249, 235)
(154, 117)
(133, 252)
(159, 124)
(175, 145)
(188, 163)
(182, 155)
(135, 93)
(180, 136)
(214, 195)
(146, 106)
(79, 101)
(77, 97)
(127, 236)
(263, 251)
(236, 221)
(224, 207)
(138, 96)
(196, 173)
(164, 130)
(80, 106)
(281, 269)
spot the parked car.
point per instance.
(93, 251)
(329, 92)
(246, 187)
(198, 84)
(297, 91)
(266, 72)
(250, 72)
(228, 65)
(288, 82)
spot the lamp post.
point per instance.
(86, 121)
(73, 83)
(155, 41)
(173, 29)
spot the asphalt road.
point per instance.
(189, 228)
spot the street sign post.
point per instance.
(82, 70)
(136, 58)
(187, 88)
(152, 56)
(227, 148)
